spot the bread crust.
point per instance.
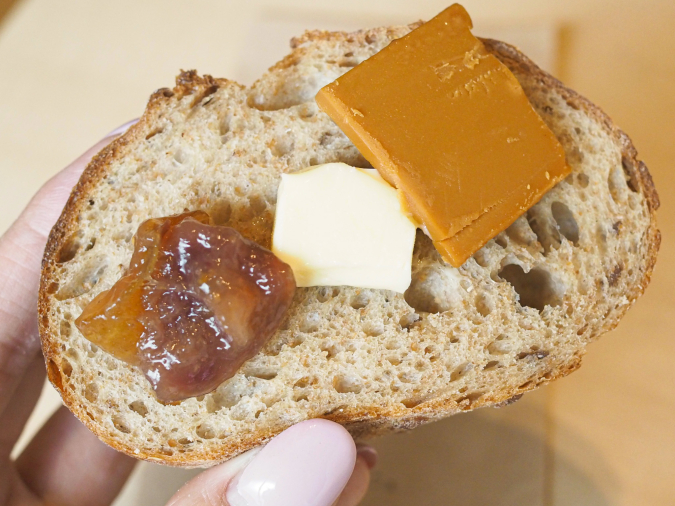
(360, 422)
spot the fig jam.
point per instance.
(196, 302)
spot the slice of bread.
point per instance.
(517, 315)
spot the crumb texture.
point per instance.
(516, 315)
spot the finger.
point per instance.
(21, 249)
(21, 405)
(368, 454)
(357, 486)
(310, 463)
(66, 464)
(45, 207)
(209, 487)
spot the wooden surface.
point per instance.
(605, 436)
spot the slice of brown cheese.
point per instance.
(450, 127)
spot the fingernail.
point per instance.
(306, 465)
(123, 128)
(368, 454)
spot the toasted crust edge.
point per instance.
(361, 423)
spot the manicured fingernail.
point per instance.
(123, 128)
(306, 465)
(368, 454)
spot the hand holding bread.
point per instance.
(516, 315)
(66, 464)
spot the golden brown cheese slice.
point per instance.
(450, 127)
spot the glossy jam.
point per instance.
(196, 302)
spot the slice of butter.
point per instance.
(339, 225)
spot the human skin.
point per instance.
(314, 463)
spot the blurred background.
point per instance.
(72, 70)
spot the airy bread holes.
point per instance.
(260, 373)
(54, 374)
(499, 346)
(394, 360)
(282, 146)
(519, 232)
(120, 424)
(73, 354)
(181, 157)
(567, 225)
(409, 377)
(412, 402)
(538, 354)
(326, 139)
(222, 398)
(543, 225)
(434, 289)
(408, 320)
(616, 182)
(304, 382)
(66, 368)
(461, 371)
(204, 94)
(139, 407)
(484, 304)
(84, 281)
(536, 288)
(294, 341)
(472, 397)
(347, 384)
(91, 392)
(205, 431)
(225, 125)
(64, 329)
(347, 62)
(492, 364)
(68, 250)
(92, 350)
(373, 328)
(243, 188)
(257, 204)
(221, 213)
(291, 93)
(325, 293)
(393, 344)
(481, 257)
(310, 322)
(629, 168)
(360, 300)
(583, 180)
(154, 132)
(331, 350)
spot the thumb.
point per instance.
(47, 204)
(308, 464)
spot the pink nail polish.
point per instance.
(306, 465)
